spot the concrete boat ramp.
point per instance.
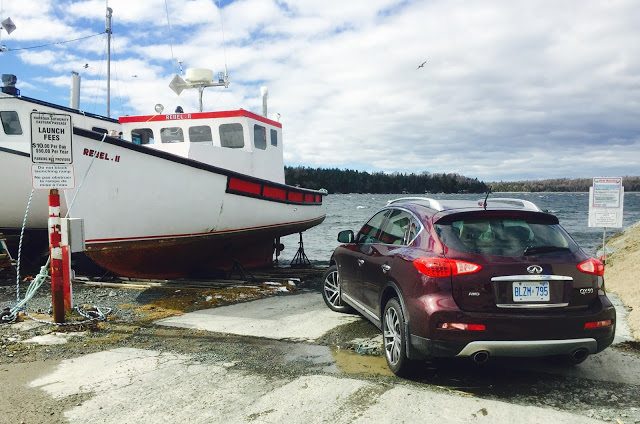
(277, 360)
(302, 317)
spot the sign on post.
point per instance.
(52, 168)
(606, 203)
(51, 151)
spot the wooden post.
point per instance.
(55, 236)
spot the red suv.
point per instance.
(496, 277)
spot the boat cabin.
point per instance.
(238, 140)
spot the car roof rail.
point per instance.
(433, 203)
(523, 204)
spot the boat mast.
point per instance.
(108, 31)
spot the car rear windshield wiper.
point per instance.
(531, 250)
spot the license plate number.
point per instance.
(531, 291)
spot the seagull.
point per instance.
(86, 65)
(421, 65)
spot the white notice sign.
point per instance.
(606, 203)
(607, 192)
(51, 138)
(48, 176)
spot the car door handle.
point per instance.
(360, 262)
(385, 268)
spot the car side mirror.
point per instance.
(346, 236)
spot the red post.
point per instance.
(55, 236)
(66, 277)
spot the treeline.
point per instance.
(351, 181)
(559, 184)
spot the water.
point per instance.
(350, 211)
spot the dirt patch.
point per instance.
(622, 270)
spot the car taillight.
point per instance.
(443, 267)
(591, 266)
(597, 324)
(462, 326)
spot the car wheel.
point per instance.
(331, 291)
(394, 337)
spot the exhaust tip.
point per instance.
(481, 357)
(579, 355)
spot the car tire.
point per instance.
(395, 339)
(331, 292)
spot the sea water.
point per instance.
(351, 211)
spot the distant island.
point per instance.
(560, 184)
(336, 180)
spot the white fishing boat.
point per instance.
(167, 195)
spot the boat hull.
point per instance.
(150, 214)
(194, 256)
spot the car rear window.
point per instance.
(504, 236)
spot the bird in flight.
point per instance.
(421, 65)
(86, 65)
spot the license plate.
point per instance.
(530, 291)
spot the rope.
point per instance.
(52, 44)
(24, 224)
(84, 178)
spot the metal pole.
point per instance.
(55, 237)
(604, 252)
(108, 31)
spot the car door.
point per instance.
(380, 260)
(352, 261)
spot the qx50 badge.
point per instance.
(534, 269)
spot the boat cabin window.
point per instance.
(171, 135)
(200, 134)
(259, 137)
(99, 130)
(142, 136)
(231, 135)
(11, 122)
(274, 137)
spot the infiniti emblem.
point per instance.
(534, 269)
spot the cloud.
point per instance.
(510, 89)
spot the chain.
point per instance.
(91, 314)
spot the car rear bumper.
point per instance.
(514, 334)
(424, 348)
(529, 348)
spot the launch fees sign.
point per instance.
(51, 138)
(51, 152)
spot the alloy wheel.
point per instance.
(332, 289)
(392, 336)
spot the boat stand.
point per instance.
(300, 259)
(6, 260)
(241, 271)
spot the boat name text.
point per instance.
(178, 116)
(100, 155)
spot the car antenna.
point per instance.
(486, 197)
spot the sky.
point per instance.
(510, 90)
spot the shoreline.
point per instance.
(622, 265)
